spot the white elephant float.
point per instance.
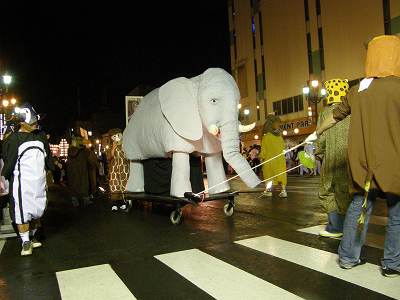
(184, 116)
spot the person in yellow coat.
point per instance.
(272, 144)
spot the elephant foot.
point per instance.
(139, 190)
(179, 194)
(134, 188)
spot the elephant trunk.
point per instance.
(230, 150)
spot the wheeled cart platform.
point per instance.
(176, 216)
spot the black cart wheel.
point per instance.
(228, 209)
(176, 216)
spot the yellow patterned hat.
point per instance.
(336, 90)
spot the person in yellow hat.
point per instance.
(373, 151)
(332, 148)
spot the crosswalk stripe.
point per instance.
(7, 235)
(2, 242)
(219, 279)
(373, 240)
(7, 231)
(95, 282)
(366, 276)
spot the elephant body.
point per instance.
(185, 116)
(157, 138)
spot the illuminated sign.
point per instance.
(297, 126)
(293, 124)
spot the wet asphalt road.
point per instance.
(77, 238)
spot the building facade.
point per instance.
(278, 47)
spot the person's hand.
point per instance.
(311, 138)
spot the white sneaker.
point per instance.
(325, 233)
(26, 248)
(36, 243)
(283, 194)
(267, 193)
(114, 208)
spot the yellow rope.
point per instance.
(361, 219)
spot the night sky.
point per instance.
(60, 51)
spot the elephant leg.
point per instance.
(180, 179)
(136, 177)
(216, 173)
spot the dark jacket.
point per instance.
(10, 150)
(77, 170)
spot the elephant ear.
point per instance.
(178, 100)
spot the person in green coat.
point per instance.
(332, 148)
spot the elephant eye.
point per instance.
(213, 101)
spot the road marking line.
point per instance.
(95, 282)
(2, 243)
(7, 235)
(366, 276)
(220, 279)
(373, 240)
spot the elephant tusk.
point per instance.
(246, 128)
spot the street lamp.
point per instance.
(7, 79)
(13, 101)
(314, 93)
(5, 102)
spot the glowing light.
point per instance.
(5, 102)
(309, 108)
(296, 130)
(284, 132)
(256, 137)
(63, 146)
(97, 141)
(90, 133)
(323, 92)
(306, 90)
(239, 106)
(107, 147)
(258, 106)
(314, 83)
(310, 113)
(90, 145)
(13, 101)
(246, 112)
(102, 189)
(7, 79)
(269, 185)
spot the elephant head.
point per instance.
(210, 101)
